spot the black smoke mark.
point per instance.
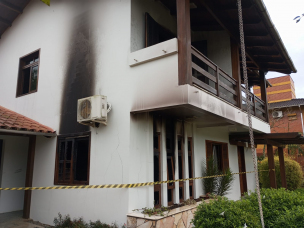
(80, 75)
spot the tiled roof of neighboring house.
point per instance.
(290, 103)
(11, 120)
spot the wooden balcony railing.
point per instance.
(210, 77)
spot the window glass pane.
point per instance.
(156, 198)
(190, 191)
(181, 193)
(156, 167)
(190, 166)
(61, 150)
(67, 171)
(169, 195)
(155, 142)
(180, 167)
(26, 80)
(34, 76)
(170, 169)
(60, 171)
(217, 156)
(69, 150)
(81, 159)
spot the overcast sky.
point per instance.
(282, 13)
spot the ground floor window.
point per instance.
(73, 159)
(218, 151)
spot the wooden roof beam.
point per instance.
(232, 34)
(10, 6)
(6, 22)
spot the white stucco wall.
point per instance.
(218, 48)
(13, 172)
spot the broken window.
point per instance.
(28, 73)
(72, 160)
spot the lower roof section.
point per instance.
(275, 139)
(15, 123)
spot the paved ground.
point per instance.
(14, 220)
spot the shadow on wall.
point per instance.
(80, 74)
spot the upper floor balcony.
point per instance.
(188, 61)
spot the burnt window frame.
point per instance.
(21, 68)
(69, 137)
(190, 167)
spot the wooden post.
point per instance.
(236, 70)
(217, 85)
(264, 93)
(282, 167)
(272, 177)
(184, 42)
(29, 176)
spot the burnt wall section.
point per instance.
(80, 74)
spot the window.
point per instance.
(157, 173)
(73, 160)
(180, 146)
(28, 73)
(190, 167)
(170, 148)
(219, 153)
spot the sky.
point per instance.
(282, 13)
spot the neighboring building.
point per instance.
(175, 86)
(285, 110)
(282, 89)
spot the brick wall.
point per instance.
(282, 89)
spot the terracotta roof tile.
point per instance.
(12, 120)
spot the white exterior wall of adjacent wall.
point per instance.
(13, 171)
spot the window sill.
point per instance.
(26, 94)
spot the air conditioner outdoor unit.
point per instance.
(93, 110)
(277, 114)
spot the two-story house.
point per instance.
(171, 71)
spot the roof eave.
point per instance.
(9, 131)
(274, 33)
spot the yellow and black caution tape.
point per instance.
(119, 185)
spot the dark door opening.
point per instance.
(242, 168)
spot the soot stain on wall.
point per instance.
(80, 74)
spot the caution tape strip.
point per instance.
(121, 185)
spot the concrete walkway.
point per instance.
(15, 220)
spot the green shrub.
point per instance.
(276, 203)
(216, 185)
(67, 222)
(224, 213)
(292, 218)
(281, 208)
(293, 171)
